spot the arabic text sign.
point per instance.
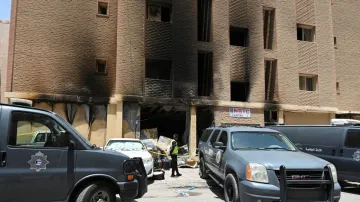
(240, 113)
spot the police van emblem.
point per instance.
(357, 155)
(38, 162)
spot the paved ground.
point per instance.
(165, 190)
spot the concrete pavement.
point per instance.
(166, 190)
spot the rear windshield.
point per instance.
(125, 145)
(260, 140)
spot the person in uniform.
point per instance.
(174, 153)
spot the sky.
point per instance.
(5, 6)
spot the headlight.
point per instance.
(148, 160)
(257, 173)
(333, 172)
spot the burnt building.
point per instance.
(120, 68)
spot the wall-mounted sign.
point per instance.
(240, 112)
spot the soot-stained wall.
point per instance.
(56, 46)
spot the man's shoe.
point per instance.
(172, 175)
(178, 174)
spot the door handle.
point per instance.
(2, 159)
(333, 152)
(341, 152)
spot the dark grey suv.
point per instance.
(258, 164)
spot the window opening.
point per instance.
(269, 19)
(270, 79)
(101, 66)
(159, 13)
(307, 83)
(305, 33)
(103, 8)
(239, 36)
(158, 69)
(205, 74)
(204, 20)
(240, 91)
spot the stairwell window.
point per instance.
(308, 82)
(305, 33)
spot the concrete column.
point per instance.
(192, 138)
(111, 122)
(119, 119)
(331, 116)
(281, 116)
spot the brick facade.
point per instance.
(55, 45)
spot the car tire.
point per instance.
(202, 169)
(97, 190)
(231, 189)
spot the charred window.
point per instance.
(305, 33)
(158, 69)
(101, 66)
(269, 19)
(239, 91)
(271, 116)
(103, 8)
(159, 13)
(239, 36)
(270, 79)
(204, 20)
(205, 73)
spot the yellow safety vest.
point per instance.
(176, 148)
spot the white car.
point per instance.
(133, 148)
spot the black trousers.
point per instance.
(174, 166)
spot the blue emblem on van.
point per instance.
(38, 162)
(357, 155)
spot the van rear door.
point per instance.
(349, 169)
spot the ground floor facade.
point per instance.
(135, 117)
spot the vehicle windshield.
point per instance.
(261, 140)
(77, 132)
(122, 145)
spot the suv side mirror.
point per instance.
(219, 145)
(72, 145)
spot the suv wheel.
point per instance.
(96, 193)
(231, 189)
(202, 169)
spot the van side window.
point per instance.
(214, 136)
(36, 130)
(352, 139)
(223, 138)
(205, 136)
